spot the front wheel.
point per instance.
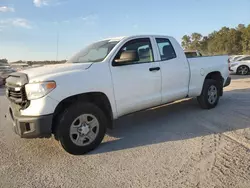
(209, 97)
(81, 128)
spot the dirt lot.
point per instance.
(178, 145)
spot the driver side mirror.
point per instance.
(127, 57)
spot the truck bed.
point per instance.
(202, 66)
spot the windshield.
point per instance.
(244, 58)
(95, 52)
(237, 58)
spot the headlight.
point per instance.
(38, 90)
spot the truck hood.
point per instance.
(54, 69)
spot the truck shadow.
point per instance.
(178, 121)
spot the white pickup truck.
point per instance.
(77, 101)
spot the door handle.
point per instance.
(154, 69)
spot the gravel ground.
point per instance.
(178, 145)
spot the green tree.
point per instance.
(4, 61)
(203, 45)
(196, 41)
(225, 41)
(186, 42)
(234, 45)
(246, 40)
(241, 27)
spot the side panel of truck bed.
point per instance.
(200, 67)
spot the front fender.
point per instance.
(96, 79)
(39, 107)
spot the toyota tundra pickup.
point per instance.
(77, 101)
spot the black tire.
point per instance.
(203, 98)
(239, 72)
(62, 132)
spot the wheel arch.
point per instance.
(216, 75)
(98, 98)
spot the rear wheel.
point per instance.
(209, 97)
(81, 128)
(243, 70)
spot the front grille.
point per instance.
(17, 95)
(15, 89)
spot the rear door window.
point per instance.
(166, 49)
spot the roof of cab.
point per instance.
(134, 36)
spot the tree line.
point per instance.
(4, 61)
(231, 41)
(46, 62)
